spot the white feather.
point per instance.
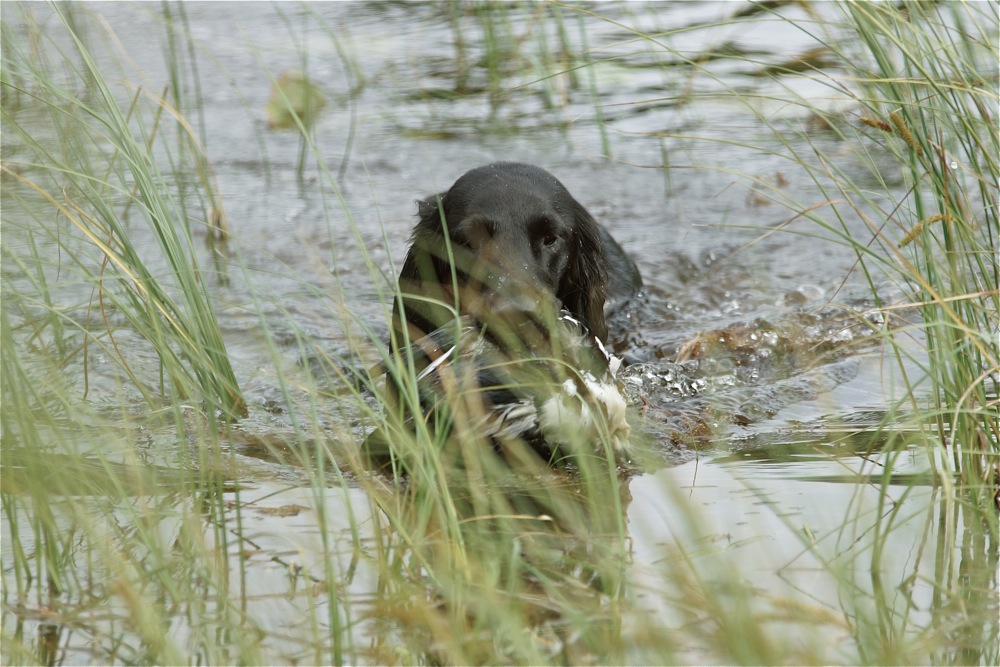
(567, 418)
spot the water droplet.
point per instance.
(953, 165)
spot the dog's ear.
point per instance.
(424, 276)
(584, 288)
(429, 214)
(423, 258)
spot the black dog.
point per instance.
(512, 239)
(509, 276)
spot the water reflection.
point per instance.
(841, 552)
(767, 535)
(551, 546)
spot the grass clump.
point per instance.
(925, 76)
(103, 171)
(98, 391)
(933, 69)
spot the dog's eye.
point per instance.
(544, 232)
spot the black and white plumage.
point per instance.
(549, 386)
(580, 404)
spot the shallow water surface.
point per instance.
(754, 349)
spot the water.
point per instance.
(773, 326)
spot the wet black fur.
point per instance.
(512, 239)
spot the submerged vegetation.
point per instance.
(131, 518)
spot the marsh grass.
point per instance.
(922, 81)
(178, 322)
(126, 513)
(943, 110)
(927, 74)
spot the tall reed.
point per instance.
(105, 171)
(931, 72)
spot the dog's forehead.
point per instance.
(506, 186)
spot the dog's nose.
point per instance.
(510, 300)
(510, 293)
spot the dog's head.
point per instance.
(506, 240)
